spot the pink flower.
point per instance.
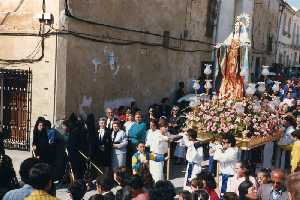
(226, 130)
(223, 126)
(227, 114)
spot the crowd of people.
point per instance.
(123, 154)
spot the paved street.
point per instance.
(177, 172)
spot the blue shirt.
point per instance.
(51, 135)
(18, 194)
(137, 133)
(285, 91)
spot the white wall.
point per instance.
(226, 19)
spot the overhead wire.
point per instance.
(30, 57)
(95, 38)
(70, 15)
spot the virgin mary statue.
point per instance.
(232, 57)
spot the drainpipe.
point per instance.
(215, 35)
(281, 9)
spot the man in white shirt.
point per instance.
(158, 146)
(285, 143)
(194, 157)
(242, 173)
(227, 156)
(151, 134)
(110, 118)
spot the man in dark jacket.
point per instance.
(103, 146)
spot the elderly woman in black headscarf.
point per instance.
(73, 145)
(8, 179)
(40, 145)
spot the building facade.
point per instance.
(266, 17)
(82, 56)
(288, 54)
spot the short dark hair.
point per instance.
(208, 178)
(200, 194)
(105, 182)
(25, 167)
(97, 197)
(296, 134)
(77, 189)
(230, 196)
(164, 100)
(153, 121)
(186, 195)
(138, 113)
(246, 165)
(163, 190)
(291, 120)
(192, 133)
(266, 172)
(135, 182)
(230, 138)
(40, 176)
(243, 188)
(117, 122)
(181, 84)
(197, 183)
(163, 124)
(47, 124)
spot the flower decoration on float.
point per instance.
(250, 91)
(261, 87)
(276, 86)
(244, 118)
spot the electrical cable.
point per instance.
(27, 60)
(70, 15)
(127, 42)
(35, 52)
(85, 36)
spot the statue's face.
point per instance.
(237, 26)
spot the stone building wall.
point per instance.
(138, 72)
(21, 17)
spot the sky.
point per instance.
(295, 3)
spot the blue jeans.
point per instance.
(224, 182)
(212, 165)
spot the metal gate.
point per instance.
(15, 112)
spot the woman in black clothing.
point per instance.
(73, 144)
(8, 179)
(243, 190)
(40, 143)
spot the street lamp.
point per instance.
(208, 72)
